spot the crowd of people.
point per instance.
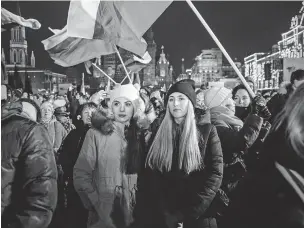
(138, 157)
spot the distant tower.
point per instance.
(183, 66)
(33, 60)
(149, 71)
(163, 69)
(18, 44)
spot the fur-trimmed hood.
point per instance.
(101, 121)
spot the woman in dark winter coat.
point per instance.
(184, 168)
(73, 212)
(273, 197)
(236, 137)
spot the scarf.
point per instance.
(224, 114)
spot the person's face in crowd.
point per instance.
(46, 112)
(24, 95)
(230, 104)
(178, 106)
(40, 99)
(282, 89)
(242, 98)
(297, 83)
(251, 85)
(87, 115)
(31, 97)
(82, 100)
(200, 100)
(122, 109)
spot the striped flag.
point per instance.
(8, 18)
(135, 64)
(94, 28)
(69, 51)
(120, 22)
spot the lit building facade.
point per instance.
(209, 67)
(268, 70)
(26, 67)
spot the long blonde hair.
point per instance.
(161, 150)
(293, 114)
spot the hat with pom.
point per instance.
(215, 96)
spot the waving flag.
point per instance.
(135, 64)
(69, 51)
(94, 28)
(120, 22)
(8, 18)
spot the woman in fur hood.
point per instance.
(105, 174)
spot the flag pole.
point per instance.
(124, 78)
(123, 64)
(199, 16)
(104, 73)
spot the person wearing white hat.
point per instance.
(105, 174)
(235, 135)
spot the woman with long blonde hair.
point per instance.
(183, 169)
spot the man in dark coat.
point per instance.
(277, 102)
(28, 168)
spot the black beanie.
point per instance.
(186, 87)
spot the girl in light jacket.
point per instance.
(105, 173)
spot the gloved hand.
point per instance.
(259, 107)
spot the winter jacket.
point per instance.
(28, 171)
(101, 179)
(70, 210)
(57, 133)
(276, 104)
(236, 137)
(265, 197)
(164, 199)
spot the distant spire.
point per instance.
(18, 9)
(183, 66)
(162, 58)
(33, 60)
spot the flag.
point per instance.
(9, 19)
(120, 22)
(69, 51)
(135, 64)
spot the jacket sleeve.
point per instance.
(234, 141)
(212, 178)
(84, 169)
(39, 181)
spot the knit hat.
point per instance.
(59, 103)
(215, 96)
(128, 91)
(186, 87)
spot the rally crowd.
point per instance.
(139, 157)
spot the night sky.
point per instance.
(242, 27)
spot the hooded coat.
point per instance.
(28, 171)
(104, 184)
